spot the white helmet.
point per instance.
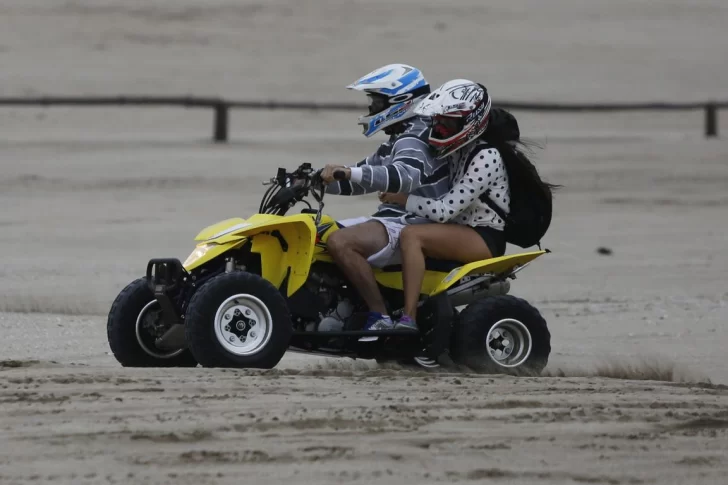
(459, 111)
(394, 90)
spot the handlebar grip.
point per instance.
(339, 175)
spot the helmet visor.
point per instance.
(444, 127)
(377, 103)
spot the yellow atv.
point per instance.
(254, 288)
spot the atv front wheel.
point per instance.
(134, 324)
(238, 320)
(502, 334)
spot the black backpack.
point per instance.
(529, 215)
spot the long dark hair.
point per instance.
(503, 133)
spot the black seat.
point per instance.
(441, 265)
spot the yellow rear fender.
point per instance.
(285, 243)
(497, 266)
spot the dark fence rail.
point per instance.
(222, 107)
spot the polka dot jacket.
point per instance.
(475, 173)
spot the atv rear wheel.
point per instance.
(133, 326)
(502, 334)
(238, 320)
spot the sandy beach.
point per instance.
(635, 390)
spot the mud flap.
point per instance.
(436, 325)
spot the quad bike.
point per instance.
(254, 288)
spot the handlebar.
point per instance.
(304, 172)
(286, 190)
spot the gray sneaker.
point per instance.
(406, 323)
(376, 322)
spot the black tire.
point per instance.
(200, 323)
(121, 331)
(469, 346)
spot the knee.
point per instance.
(338, 242)
(410, 237)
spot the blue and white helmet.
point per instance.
(394, 90)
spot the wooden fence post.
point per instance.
(711, 120)
(220, 134)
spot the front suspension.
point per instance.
(164, 277)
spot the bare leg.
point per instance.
(350, 247)
(440, 241)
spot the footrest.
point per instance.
(361, 333)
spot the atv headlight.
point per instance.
(198, 253)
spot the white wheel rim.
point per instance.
(146, 313)
(243, 325)
(509, 343)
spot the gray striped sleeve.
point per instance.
(347, 187)
(411, 162)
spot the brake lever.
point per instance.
(315, 178)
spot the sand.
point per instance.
(336, 425)
(635, 391)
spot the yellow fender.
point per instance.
(297, 232)
(222, 227)
(393, 279)
(499, 265)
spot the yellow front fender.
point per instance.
(205, 252)
(222, 227)
(285, 244)
(500, 265)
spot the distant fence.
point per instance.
(221, 107)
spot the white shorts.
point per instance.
(390, 254)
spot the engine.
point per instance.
(338, 307)
(334, 320)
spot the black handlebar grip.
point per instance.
(339, 175)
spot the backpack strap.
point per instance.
(479, 145)
(486, 198)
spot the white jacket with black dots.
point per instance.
(476, 171)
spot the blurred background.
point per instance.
(88, 195)
(569, 50)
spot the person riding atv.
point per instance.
(404, 163)
(254, 288)
(487, 169)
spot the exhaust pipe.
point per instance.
(469, 295)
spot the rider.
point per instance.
(479, 146)
(403, 164)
